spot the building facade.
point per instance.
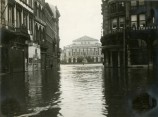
(16, 25)
(37, 46)
(84, 49)
(52, 36)
(24, 40)
(129, 34)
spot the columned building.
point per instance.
(129, 34)
(84, 49)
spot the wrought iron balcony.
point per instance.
(116, 36)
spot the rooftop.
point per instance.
(85, 38)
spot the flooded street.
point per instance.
(88, 90)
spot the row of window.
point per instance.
(26, 20)
(114, 7)
(38, 11)
(28, 2)
(85, 42)
(21, 17)
(85, 53)
(136, 21)
(39, 35)
(85, 50)
(120, 6)
(137, 3)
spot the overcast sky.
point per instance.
(78, 18)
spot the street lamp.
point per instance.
(124, 36)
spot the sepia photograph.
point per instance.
(78, 58)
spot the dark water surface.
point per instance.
(80, 91)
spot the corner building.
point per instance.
(129, 34)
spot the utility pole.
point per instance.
(124, 37)
(126, 5)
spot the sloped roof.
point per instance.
(85, 38)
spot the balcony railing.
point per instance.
(143, 28)
(148, 32)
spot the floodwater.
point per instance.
(88, 90)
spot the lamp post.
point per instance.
(124, 37)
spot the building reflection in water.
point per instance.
(13, 101)
(35, 93)
(80, 91)
(132, 95)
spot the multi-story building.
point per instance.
(84, 49)
(24, 35)
(52, 36)
(129, 32)
(37, 46)
(16, 27)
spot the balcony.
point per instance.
(22, 31)
(116, 36)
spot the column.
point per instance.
(22, 17)
(67, 60)
(128, 58)
(108, 58)
(118, 59)
(76, 60)
(111, 62)
(15, 16)
(28, 27)
(6, 13)
(94, 59)
(71, 60)
(99, 59)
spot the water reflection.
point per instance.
(130, 95)
(80, 91)
(30, 94)
(13, 101)
(81, 87)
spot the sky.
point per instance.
(78, 18)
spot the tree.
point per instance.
(80, 59)
(89, 59)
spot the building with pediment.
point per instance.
(82, 50)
